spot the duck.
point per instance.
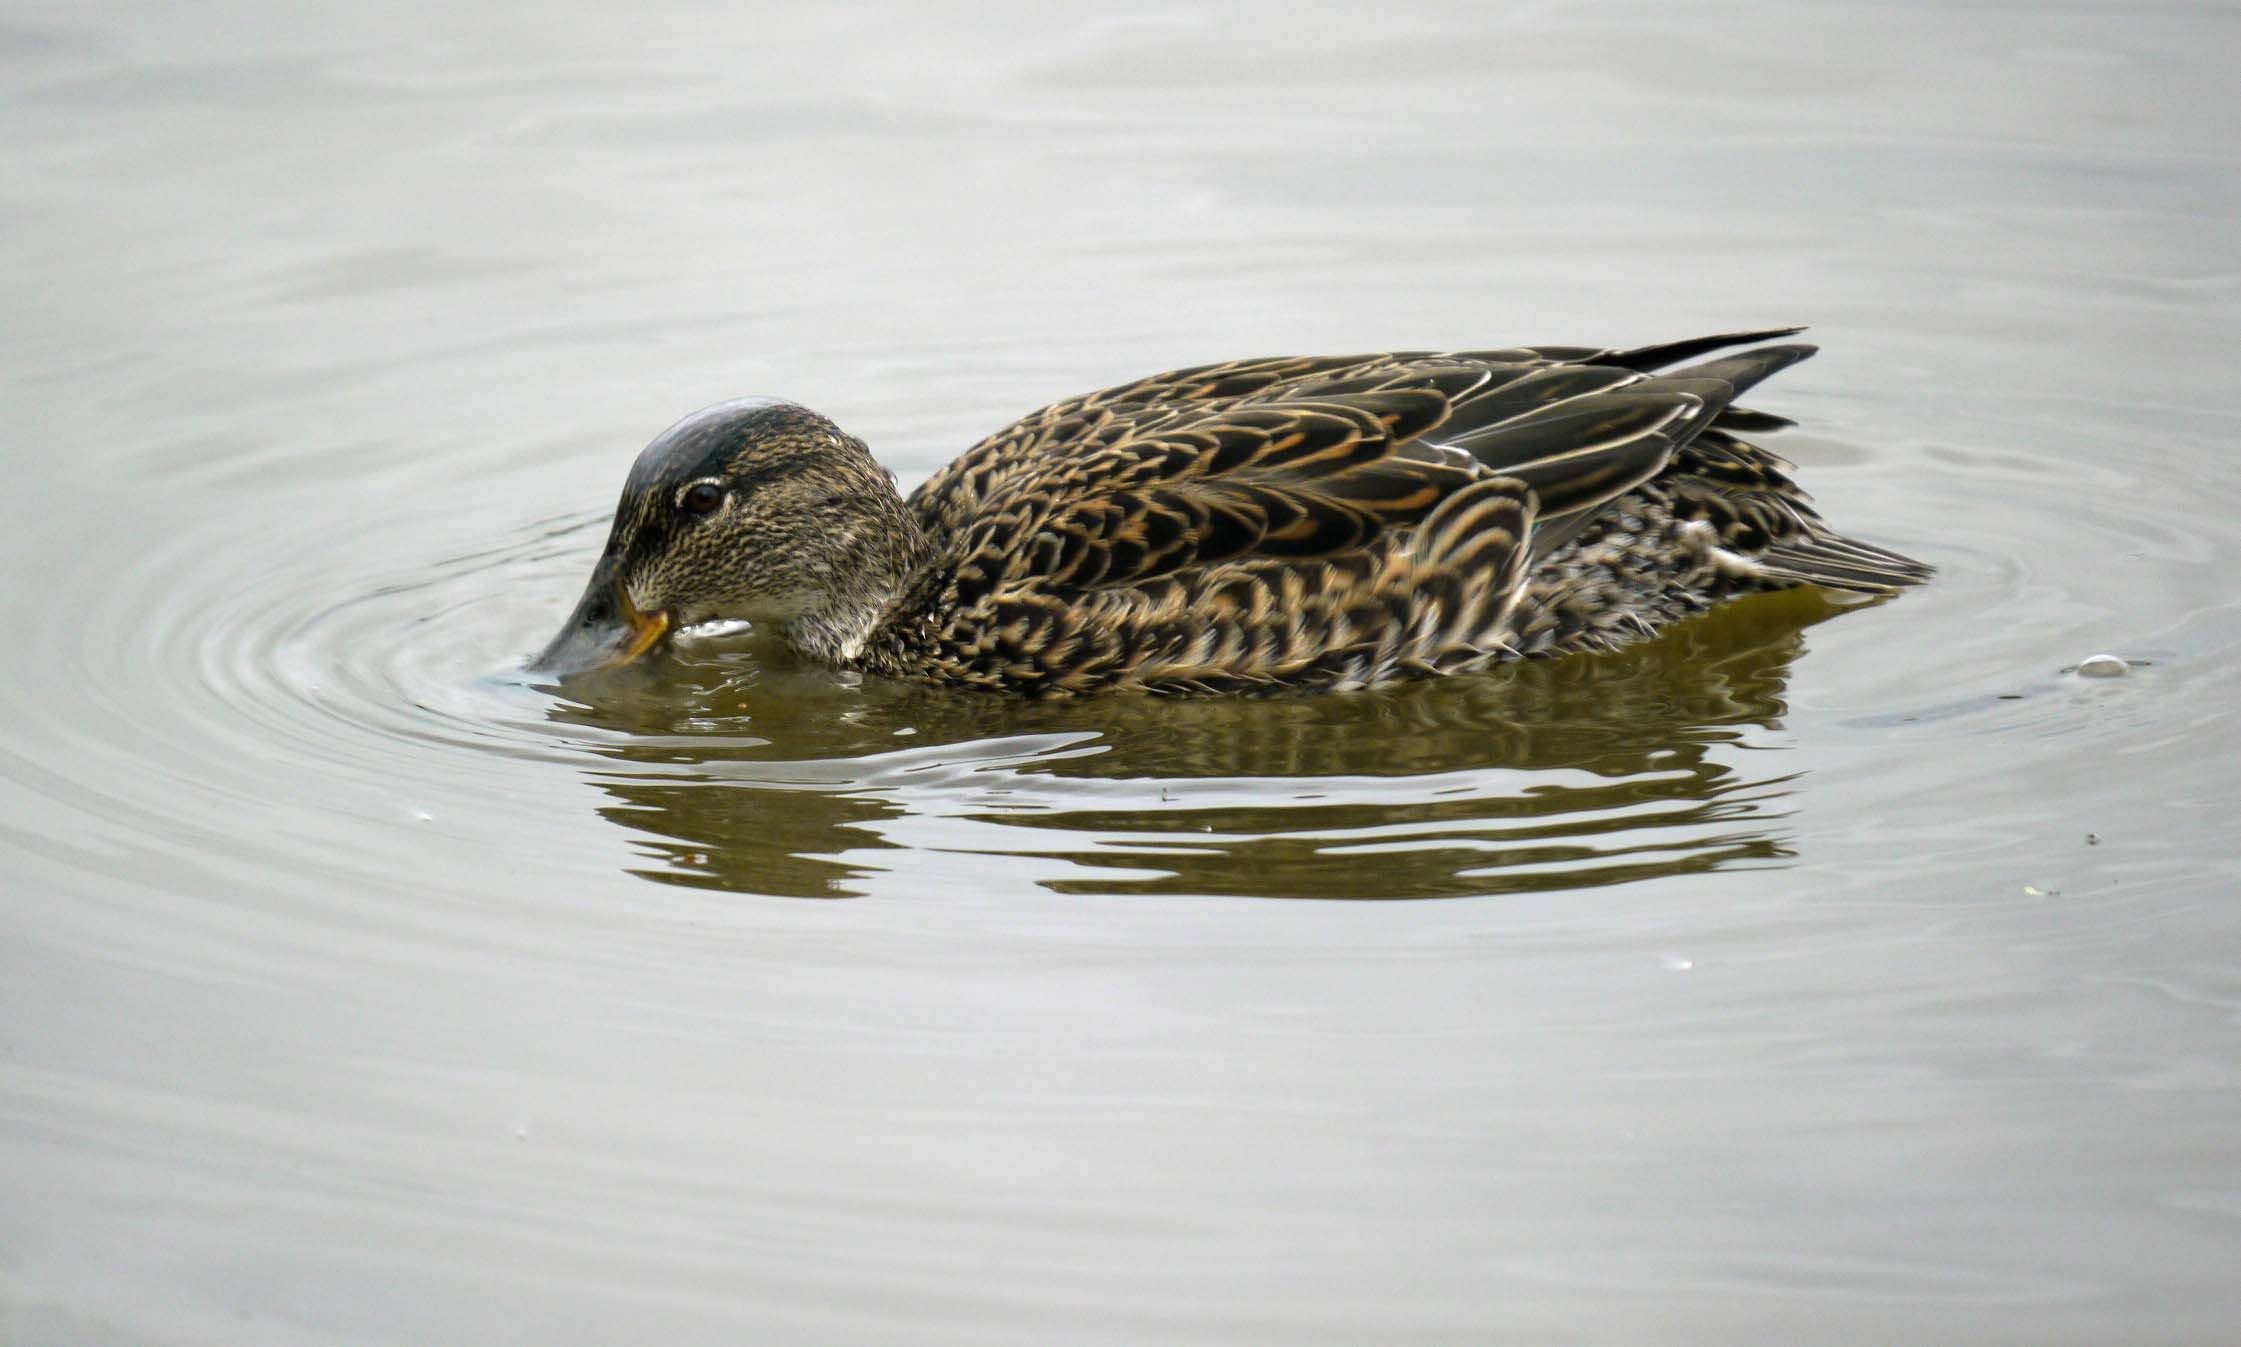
(1286, 524)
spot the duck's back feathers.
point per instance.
(1338, 521)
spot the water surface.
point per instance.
(1813, 974)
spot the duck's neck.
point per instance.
(880, 566)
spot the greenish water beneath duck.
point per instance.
(1829, 975)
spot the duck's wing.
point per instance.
(1502, 386)
(1130, 494)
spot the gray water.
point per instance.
(1807, 977)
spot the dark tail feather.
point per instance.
(1841, 563)
(1744, 421)
(1648, 358)
(1746, 369)
(1742, 370)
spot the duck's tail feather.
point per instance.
(1745, 370)
(1742, 370)
(1744, 421)
(1645, 359)
(1834, 562)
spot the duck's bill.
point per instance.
(604, 632)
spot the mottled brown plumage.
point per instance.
(1308, 523)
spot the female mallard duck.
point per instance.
(1311, 523)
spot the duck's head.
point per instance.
(758, 510)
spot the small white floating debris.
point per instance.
(420, 815)
(1675, 964)
(2103, 666)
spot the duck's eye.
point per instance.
(701, 498)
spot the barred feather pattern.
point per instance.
(1433, 600)
(1343, 522)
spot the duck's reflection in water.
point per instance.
(738, 774)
